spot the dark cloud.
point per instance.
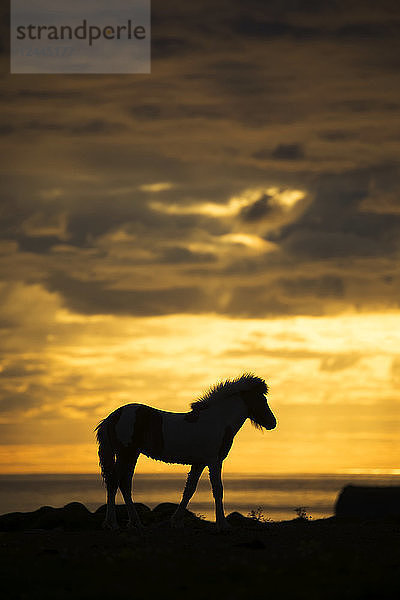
(147, 111)
(19, 370)
(262, 154)
(16, 210)
(325, 286)
(333, 225)
(37, 244)
(271, 22)
(97, 127)
(247, 99)
(337, 135)
(150, 112)
(136, 217)
(248, 26)
(365, 105)
(309, 244)
(163, 47)
(48, 94)
(87, 128)
(258, 210)
(311, 296)
(18, 402)
(94, 297)
(256, 301)
(284, 8)
(6, 129)
(287, 152)
(368, 30)
(180, 255)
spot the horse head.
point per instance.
(259, 412)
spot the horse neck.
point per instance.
(231, 411)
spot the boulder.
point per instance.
(369, 502)
(143, 511)
(72, 517)
(165, 510)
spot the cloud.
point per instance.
(287, 152)
(37, 244)
(18, 403)
(340, 362)
(367, 30)
(181, 255)
(259, 209)
(248, 26)
(94, 297)
(250, 254)
(325, 286)
(6, 129)
(168, 47)
(156, 187)
(226, 182)
(334, 226)
(337, 135)
(309, 244)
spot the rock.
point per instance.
(143, 511)
(72, 517)
(77, 508)
(75, 516)
(45, 517)
(238, 520)
(369, 502)
(165, 510)
(14, 521)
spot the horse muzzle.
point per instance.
(270, 424)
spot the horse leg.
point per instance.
(110, 522)
(218, 492)
(126, 470)
(190, 488)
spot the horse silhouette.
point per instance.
(201, 437)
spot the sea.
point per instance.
(275, 497)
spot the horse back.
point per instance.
(140, 428)
(170, 437)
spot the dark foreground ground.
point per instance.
(63, 553)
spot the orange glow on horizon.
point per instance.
(332, 387)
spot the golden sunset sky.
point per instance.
(238, 209)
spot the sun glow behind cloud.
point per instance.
(286, 198)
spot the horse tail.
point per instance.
(106, 439)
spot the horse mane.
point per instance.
(245, 383)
